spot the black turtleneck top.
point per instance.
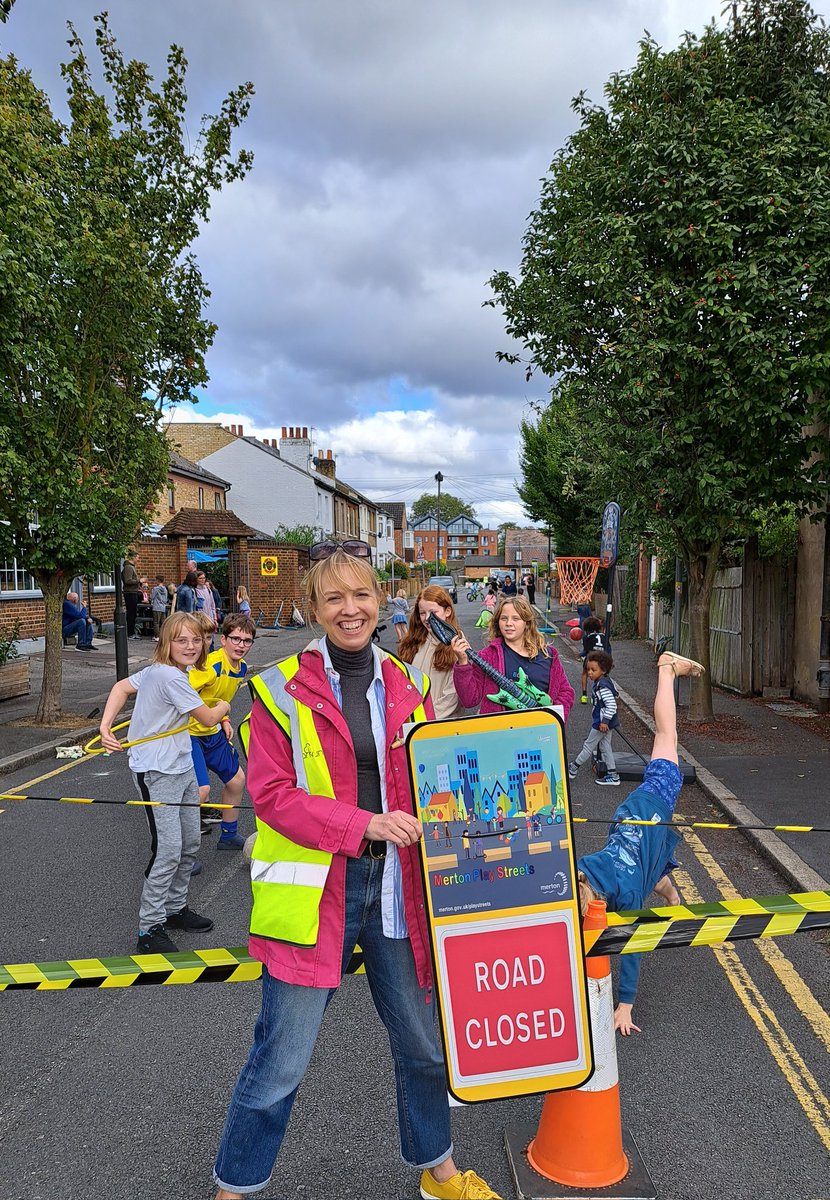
(356, 670)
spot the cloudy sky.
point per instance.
(399, 146)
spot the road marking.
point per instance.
(801, 1080)
(73, 762)
(798, 991)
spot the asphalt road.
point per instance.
(121, 1094)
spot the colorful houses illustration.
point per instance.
(457, 794)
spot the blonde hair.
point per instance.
(532, 641)
(242, 593)
(205, 623)
(338, 567)
(586, 893)
(172, 628)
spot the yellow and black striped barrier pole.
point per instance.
(139, 970)
(710, 924)
(628, 933)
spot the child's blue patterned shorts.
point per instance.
(663, 778)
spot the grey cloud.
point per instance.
(398, 149)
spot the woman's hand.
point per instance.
(399, 827)
(603, 726)
(460, 645)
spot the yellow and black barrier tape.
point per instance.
(710, 924)
(139, 970)
(678, 824)
(628, 933)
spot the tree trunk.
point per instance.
(702, 564)
(49, 708)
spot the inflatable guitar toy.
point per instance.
(516, 694)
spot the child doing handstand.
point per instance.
(638, 858)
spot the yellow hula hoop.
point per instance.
(137, 741)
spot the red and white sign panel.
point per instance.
(512, 1001)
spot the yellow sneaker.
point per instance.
(464, 1185)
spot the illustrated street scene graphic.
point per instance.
(502, 910)
(492, 804)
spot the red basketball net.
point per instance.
(576, 579)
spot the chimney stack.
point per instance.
(326, 465)
(295, 446)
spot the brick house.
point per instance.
(189, 486)
(274, 482)
(460, 537)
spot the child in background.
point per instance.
(158, 602)
(400, 614)
(219, 678)
(243, 601)
(592, 639)
(638, 858)
(162, 767)
(598, 665)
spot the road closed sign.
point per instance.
(499, 872)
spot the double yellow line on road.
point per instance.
(806, 1088)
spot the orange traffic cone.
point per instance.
(579, 1139)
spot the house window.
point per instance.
(201, 497)
(217, 500)
(171, 495)
(15, 578)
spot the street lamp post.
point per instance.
(439, 479)
(122, 668)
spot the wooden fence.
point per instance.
(752, 619)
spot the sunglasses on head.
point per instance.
(354, 548)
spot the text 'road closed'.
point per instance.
(512, 998)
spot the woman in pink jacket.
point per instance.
(514, 642)
(335, 864)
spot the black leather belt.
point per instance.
(375, 850)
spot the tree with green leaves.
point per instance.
(101, 307)
(562, 477)
(450, 507)
(676, 281)
(501, 531)
(296, 535)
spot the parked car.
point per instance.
(447, 583)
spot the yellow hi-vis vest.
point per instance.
(287, 879)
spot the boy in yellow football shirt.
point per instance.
(223, 672)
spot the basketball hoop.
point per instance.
(576, 579)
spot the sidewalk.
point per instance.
(87, 679)
(762, 762)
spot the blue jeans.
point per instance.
(79, 629)
(286, 1032)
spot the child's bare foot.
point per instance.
(679, 664)
(666, 890)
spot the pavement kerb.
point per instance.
(25, 758)
(790, 864)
